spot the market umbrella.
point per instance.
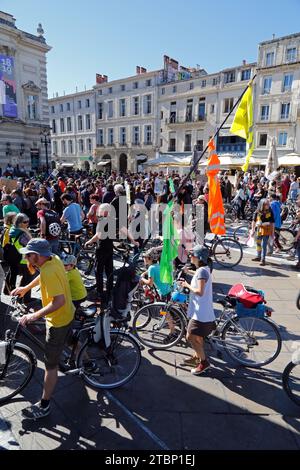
(272, 160)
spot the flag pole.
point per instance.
(214, 136)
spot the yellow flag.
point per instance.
(243, 123)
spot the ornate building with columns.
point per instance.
(24, 110)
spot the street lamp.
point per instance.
(45, 139)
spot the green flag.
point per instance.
(170, 246)
(171, 185)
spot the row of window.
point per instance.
(284, 111)
(287, 83)
(133, 86)
(67, 106)
(68, 147)
(281, 139)
(290, 56)
(136, 136)
(136, 107)
(68, 127)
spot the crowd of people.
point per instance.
(36, 209)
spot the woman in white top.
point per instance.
(200, 310)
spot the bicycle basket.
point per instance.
(179, 297)
(258, 311)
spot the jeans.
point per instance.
(261, 246)
(54, 246)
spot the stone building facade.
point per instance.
(24, 111)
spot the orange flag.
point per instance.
(215, 201)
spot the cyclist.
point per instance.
(58, 310)
(151, 277)
(104, 253)
(72, 214)
(200, 309)
(78, 290)
(49, 224)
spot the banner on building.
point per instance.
(8, 92)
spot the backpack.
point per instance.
(10, 253)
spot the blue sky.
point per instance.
(112, 37)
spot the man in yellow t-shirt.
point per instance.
(58, 311)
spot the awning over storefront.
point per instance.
(87, 158)
(67, 165)
(291, 159)
(170, 161)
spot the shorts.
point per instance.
(199, 328)
(55, 341)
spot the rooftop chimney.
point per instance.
(244, 62)
(273, 36)
(138, 69)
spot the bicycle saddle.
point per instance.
(227, 303)
(87, 312)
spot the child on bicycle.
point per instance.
(78, 290)
(200, 309)
(151, 277)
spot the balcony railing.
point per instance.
(148, 142)
(186, 119)
(135, 144)
(172, 149)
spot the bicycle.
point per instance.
(226, 251)
(104, 357)
(291, 377)
(251, 341)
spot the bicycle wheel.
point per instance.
(286, 239)
(156, 329)
(65, 247)
(251, 341)
(291, 382)
(241, 233)
(111, 368)
(230, 214)
(20, 369)
(85, 263)
(228, 252)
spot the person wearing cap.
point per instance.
(49, 221)
(200, 309)
(57, 309)
(78, 290)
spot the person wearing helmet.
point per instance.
(77, 288)
(200, 309)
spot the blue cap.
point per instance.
(201, 252)
(38, 246)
